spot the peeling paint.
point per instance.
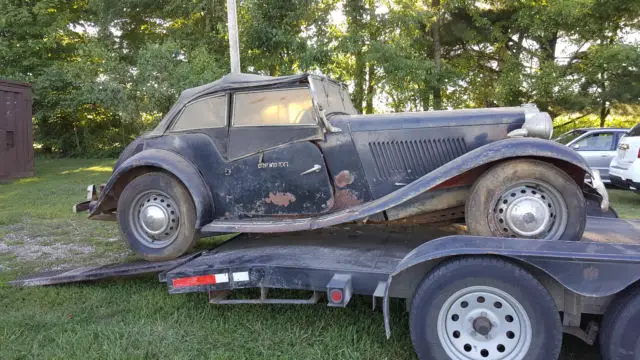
(329, 204)
(343, 179)
(346, 198)
(280, 199)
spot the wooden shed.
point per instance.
(16, 130)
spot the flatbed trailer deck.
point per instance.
(584, 281)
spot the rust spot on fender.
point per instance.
(280, 199)
(343, 179)
(346, 198)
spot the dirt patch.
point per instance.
(25, 248)
(59, 244)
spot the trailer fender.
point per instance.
(163, 160)
(586, 268)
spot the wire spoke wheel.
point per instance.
(483, 322)
(529, 209)
(155, 219)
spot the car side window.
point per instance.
(595, 142)
(205, 113)
(273, 108)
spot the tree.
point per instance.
(610, 75)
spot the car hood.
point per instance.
(444, 118)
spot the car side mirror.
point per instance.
(575, 146)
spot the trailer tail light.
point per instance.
(336, 296)
(638, 153)
(200, 280)
(339, 290)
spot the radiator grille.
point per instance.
(414, 158)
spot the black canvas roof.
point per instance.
(227, 82)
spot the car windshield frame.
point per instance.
(324, 99)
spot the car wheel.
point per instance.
(157, 217)
(620, 337)
(526, 199)
(484, 308)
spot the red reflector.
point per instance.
(194, 281)
(336, 295)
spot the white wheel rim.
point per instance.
(484, 323)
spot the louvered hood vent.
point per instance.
(414, 158)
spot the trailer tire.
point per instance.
(157, 217)
(483, 308)
(526, 198)
(620, 336)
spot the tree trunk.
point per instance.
(548, 47)
(359, 77)
(372, 32)
(425, 99)
(520, 40)
(354, 11)
(604, 112)
(435, 32)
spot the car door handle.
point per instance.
(315, 168)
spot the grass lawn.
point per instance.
(136, 318)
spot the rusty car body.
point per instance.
(251, 153)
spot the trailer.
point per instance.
(468, 297)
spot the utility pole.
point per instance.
(234, 45)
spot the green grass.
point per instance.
(626, 203)
(136, 318)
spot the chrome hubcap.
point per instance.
(156, 219)
(529, 210)
(528, 216)
(482, 322)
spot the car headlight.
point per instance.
(536, 124)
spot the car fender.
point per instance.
(576, 265)
(169, 162)
(446, 175)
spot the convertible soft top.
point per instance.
(227, 82)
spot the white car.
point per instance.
(624, 170)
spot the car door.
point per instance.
(598, 149)
(274, 167)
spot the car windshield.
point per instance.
(569, 136)
(635, 131)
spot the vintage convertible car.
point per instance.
(250, 153)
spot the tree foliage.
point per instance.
(103, 71)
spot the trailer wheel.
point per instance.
(526, 199)
(157, 217)
(484, 308)
(620, 336)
